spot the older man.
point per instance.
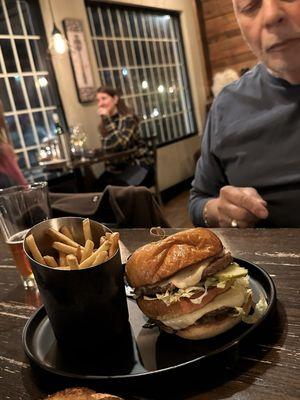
(249, 170)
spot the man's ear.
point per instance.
(116, 99)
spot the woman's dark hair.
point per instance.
(122, 108)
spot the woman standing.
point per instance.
(119, 129)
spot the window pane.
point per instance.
(124, 24)
(45, 89)
(33, 157)
(15, 84)
(21, 160)
(4, 96)
(114, 19)
(132, 24)
(96, 21)
(13, 133)
(3, 26)
(37, 51)
(23, 56)
(102, 53)
(8, 55)
(31, 92)
(107, 28)
(121, 53)
(27, 18)
(14, 17)
(112, 54)
(40, 126)
(27, 130)
(129, 53)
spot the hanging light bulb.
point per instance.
(58, 42)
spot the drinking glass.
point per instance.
(78, 140)
(21, 207)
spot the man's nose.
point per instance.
(273, 13)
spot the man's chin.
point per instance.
(284, 68)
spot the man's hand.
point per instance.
(244, 205)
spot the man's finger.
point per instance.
(254, 203)
(247, 198)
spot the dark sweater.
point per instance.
(252, 139)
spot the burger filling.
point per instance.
(172, 293)
(233, 298)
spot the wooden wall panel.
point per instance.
(224, 44)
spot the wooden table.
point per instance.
(266, 368)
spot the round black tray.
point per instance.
(152, 352)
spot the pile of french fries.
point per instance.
(70, 254)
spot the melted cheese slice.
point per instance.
(234, 297)
(189, 276)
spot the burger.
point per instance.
(189, 285)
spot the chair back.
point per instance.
(152, 146)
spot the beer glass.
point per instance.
(21, 207)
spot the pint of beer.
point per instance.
(21, 207)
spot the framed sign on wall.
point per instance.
(80, 60)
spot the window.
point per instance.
(140, 52)
(27, 85)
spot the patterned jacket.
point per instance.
(121, 133)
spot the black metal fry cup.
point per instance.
(87, 308)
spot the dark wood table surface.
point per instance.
(267, 367)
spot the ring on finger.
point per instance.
(234, 223)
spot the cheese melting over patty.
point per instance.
(234, 297)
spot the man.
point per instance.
(249, 170)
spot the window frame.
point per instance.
(34, 72)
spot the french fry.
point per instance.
(62, 259)
(66, 231)
(50, 261)
(78, 254)
(66, 267)
(35, 252)
(72, 261)
(60, 237)
(101, 257)
(107, 235)
(90, 260)
(64, 248)
(87, 232)
(102, 239)
(88, 250)
(114, 240)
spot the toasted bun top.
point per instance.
(159, 260)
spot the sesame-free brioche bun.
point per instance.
(159, 260)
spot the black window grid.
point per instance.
(140, 51)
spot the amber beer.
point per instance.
(15, 244)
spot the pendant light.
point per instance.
(58, 43)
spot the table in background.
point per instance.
(268, 369)
(77, 176)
